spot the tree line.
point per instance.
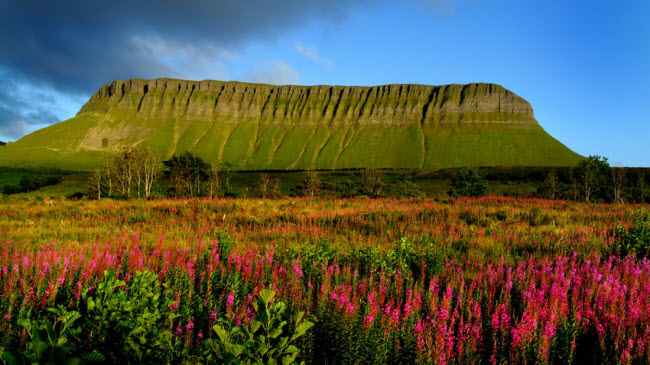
(594, 180)
(138, 172)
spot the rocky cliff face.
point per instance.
(236, 102)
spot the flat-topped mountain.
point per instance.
(256, 126)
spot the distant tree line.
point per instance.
(30, 182)
(594, 180)
(137, 172)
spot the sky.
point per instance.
(582, 64)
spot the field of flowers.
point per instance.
(324, 281)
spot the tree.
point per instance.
(312, 183)
(593, 173)
(469, 182)
(641, 187)
(124, 170)
(213, 179)
(128, 172)
(618, 183)
(268, 187)
(551, 187)
(572, 189)
(264, 186)
(372, 182)
(187, 173)
(94, 184)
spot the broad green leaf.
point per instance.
(255, 325)
(94, 357)
(39, 347)
(301, 329)
(292, 350)
(298, 317)
(275, 333)
(289, 359)
(267, 295)
(91, 304)
(235, 349)
(9, 358)
(223, 335)
(25, 323)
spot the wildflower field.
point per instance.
(324, 281)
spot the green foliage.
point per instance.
(30, 182)
(409, 189)
(469, 182)
(130, 320)
(594, 175)
(52, 342)
(636, 239)
(267, 339)
(187, 173)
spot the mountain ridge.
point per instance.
(261, 126)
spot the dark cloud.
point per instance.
(80, 45)
(74, 47)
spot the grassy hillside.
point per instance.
(257, 127)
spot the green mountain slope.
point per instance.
(255, 126)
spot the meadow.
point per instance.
(325, 281)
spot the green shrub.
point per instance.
(469, 182)
(267, 339)
(636, 239)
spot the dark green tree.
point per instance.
(551, 186)
(187, 174)
(469, 182)
(594, 175)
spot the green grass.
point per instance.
(252, 146)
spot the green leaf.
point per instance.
(289, 359)
(302, 328)
(235, 349)
(292, 350)
(275, 333)
(267, 295)
(11, 359)
(223, 335)
(26, 324)
(255, 325)
(91, 304)
(94, 357)
(298, 316)
(39, 347)
(71, 317)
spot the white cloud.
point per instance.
(14, 130)
(274, 72)
(311, 53)
(188, 60)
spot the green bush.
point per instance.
(636, 239)
(267, 339)
(469, 182)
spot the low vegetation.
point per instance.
(376, 281)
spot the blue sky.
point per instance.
(581, 64)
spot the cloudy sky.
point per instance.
(582, 64)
